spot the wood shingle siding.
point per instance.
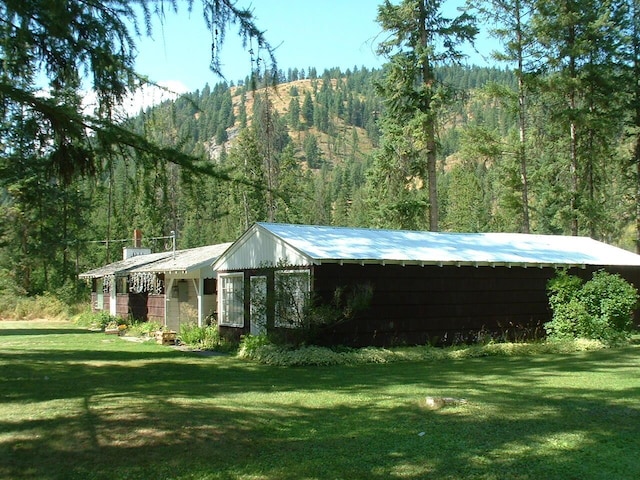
(415, 304)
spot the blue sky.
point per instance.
(307, 33)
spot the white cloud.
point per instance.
(149, 95)
(144, 97)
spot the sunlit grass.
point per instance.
(78, 405)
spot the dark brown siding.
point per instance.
(122, 305)
(416, 305)
(132, 305)
(155, 308)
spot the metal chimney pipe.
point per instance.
(137, 238)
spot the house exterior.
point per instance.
(110, 285)
(420, 286)
(189, 294)
(170, 287)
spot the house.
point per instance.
(110, 290)
(190, 284)
(168, 287)
(419, 286)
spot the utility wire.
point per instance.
(123, 240)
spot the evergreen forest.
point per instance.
(546, 142)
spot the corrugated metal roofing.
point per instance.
(185, 261)
(322, 244)
(122, 267)
(182, 261)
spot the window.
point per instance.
(231, 299)
(292, 296)
(209, 286)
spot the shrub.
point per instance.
(600, 309)
(143, 329)
(250, 344)
(99, 319)
(612, 298)
(205, 338)
(258, 349)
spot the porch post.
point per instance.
(113, 297)
(167, 298)
(199, 286)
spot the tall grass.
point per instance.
(46, 306)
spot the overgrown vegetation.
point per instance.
(259, 349)
(143, 329)
(15, 304)
(599, 309)
(103, 320)
(204, 338)
(95, 320)
(307, 316)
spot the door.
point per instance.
(258, 312)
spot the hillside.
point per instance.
(339, 109)
(338, 141)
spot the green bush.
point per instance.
(600, 309)
(205, 338)
(250, 344)
(143, 329)
(612, 298)
(99, 319)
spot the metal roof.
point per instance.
(123, 267)
(185, 261)
(322, 244)
(180, 261)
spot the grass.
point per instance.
(81, 405)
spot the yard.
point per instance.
(82, 405)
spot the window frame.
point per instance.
(231, 314)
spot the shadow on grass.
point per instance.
(143, 411)
(10, 332)
(174, 440)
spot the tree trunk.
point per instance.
(429, 128)
(573, 129)
(522, 157)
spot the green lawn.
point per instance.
(81, 405)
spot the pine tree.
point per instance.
(578, 43)
(308, 109)
(416, 28)
(512, 28)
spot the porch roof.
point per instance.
(123, 267)
(184, 261)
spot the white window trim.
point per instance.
(224, 294)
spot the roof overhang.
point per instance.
(438, 263)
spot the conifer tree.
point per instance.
(510, 24)
(415, 31)
(578, 43)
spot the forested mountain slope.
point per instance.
(307, 149)
(303, 149)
